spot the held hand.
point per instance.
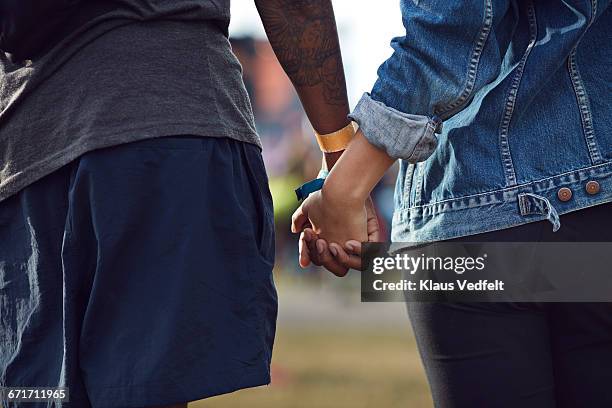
(334, 257)
(332, 218)
(343, 211)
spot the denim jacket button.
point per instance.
(592, 187)
(564, 194)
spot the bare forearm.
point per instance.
(304, 37)
(357, 172)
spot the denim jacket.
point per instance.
(500, 111)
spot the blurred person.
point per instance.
(136, 226)
(500, 115)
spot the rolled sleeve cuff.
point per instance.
(401, 135)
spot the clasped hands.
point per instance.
(334, 221)
(332, 227)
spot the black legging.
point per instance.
(521, 355)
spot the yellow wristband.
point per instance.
(338, 140)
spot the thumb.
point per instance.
(299, 219)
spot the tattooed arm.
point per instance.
(304, 37)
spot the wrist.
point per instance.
(343, 192)
(330, 159)
(357, 172)
(336, 141)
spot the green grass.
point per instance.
(338, 368)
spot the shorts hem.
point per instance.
(176, 392)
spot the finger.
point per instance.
(319, 251)
(346, 260)
(374, 232)
(325, 258)
(299, 219)
(337, 269)
(309, 233)
(304, 254)
(373, 225)
(319, 254)
(353, 247)
(311, 242)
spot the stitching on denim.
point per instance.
(504, 128)
(472, 71)
(602, 166)
(419, 179)
(584, 107)
(420, 171)
(531, 204)
(582, 98)
(523, 202)
(408, 181)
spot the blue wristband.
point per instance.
(303, 191)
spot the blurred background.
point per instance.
(331, 350)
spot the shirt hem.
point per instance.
(88, 142)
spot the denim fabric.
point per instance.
(523, 90)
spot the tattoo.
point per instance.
(304, 37)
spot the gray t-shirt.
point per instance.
(146, 68)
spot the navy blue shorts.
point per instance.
(140, 275)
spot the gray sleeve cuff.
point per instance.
(401, 135)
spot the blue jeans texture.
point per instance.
(524, 93)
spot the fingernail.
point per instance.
(350, 246)
(333, 250)
(320, 247)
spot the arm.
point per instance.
(339, 212)
(363, 159)
(304, 38)
(416, 90)
(345, 196)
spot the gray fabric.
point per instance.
(148, 68)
